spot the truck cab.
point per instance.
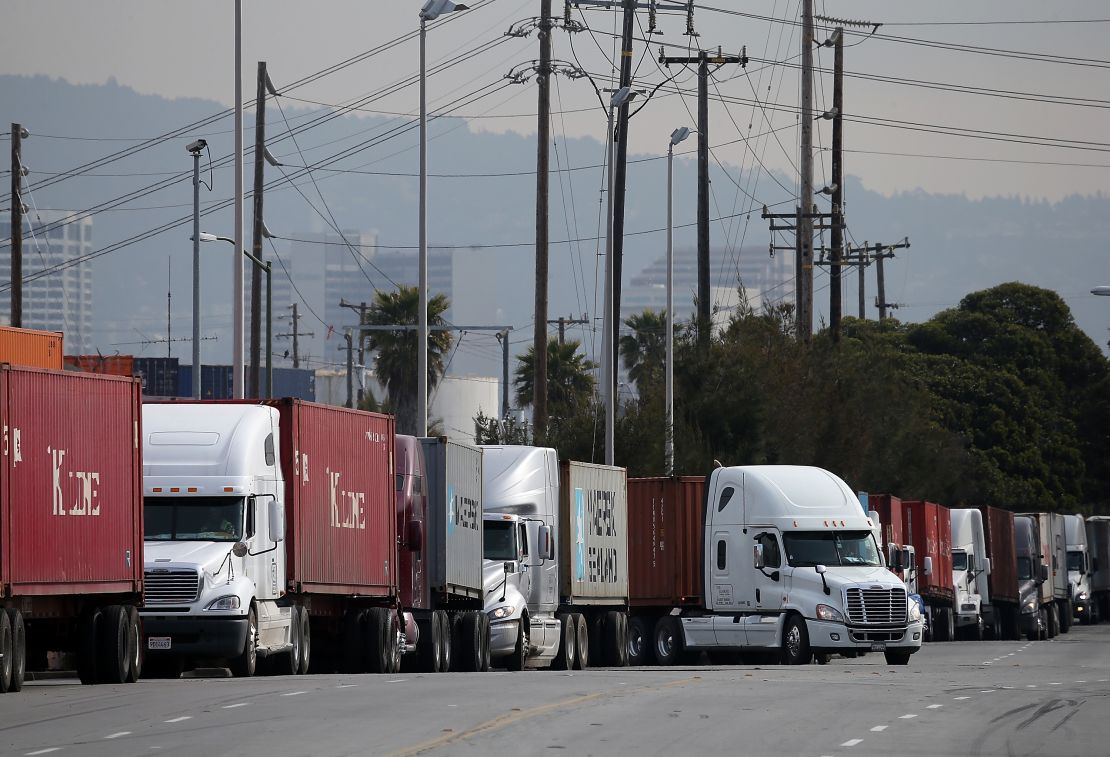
(1031, 572)
(792, 564)
(1079, 567)
(213, 524)
(970, 570)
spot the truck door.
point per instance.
(724, 557)
(762, 588)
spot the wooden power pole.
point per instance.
(836, 302)
(18, 132)
(543, 140)
(805, 201)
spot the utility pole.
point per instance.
(169, 307)
(704, 60)
(18, 132)
(295, 334)
(361, 310)
(836, 303)
(503, 338)
(863, 263)
(881, 252)
(805, 201)
(620, 136)
(350, 368)
(564, 322)
(543, 139)
(256, 272)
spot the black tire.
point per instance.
(19, 649)
(245, 665)
(484, 631)
(113, 648)
(353, 658)
(639, 642)
(1013, 624)
(943, 625)
(519, 656)
(667, 641)
(1065, 612)
(87, 625)
(1053, 622)
(289, 663)
(427, 646)
(376, 640)
(623, 616)
(135, 634)
(470, 642)
(568, 643)
(446, 645)
(795, 642)
(306, 642)
(6, 653)
(582, 642)
(615, 643)
(897, 658)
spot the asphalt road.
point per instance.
(965, 698)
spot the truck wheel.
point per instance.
(246, 664)
(1053, 622)
(582, 642)
(667, 641)
(446, 649)
(114, 651)
(19, 649)
(427, 646)
(354, 650)
(306, 641)
(639, 648)
(376, 640)
(897, 658)
(470, 642)
(87, 625)
(520, 652)
(1065, 613)
(289, 663)
(135, 639)
(6, 648)
(568, 637)
(623, 616)
(795, 642)
(615, 643)
(484, 631)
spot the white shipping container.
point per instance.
(593, 528)
(454, 554)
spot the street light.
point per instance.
(1102, 291)
(204, 236)
(678, 135)
(195, 148)
(608, 349)
(430, 12)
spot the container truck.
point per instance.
(900, 555)
(71, 546)
(555, 559)
(1055, 595)
(1001, 613)
(971, 569)
(439, 523)
(270, 534)
(1079, 567)
(789, 567)
(928, 527)
(1032, 579)
(1098, 544)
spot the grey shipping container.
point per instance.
(299, 383)
(593, 529)
(455, 532)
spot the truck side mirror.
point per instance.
(508, 566)
(757, 554)
(987, 565)
(896, 562)
(927, 568)
(906, 561)
(276, 517)
(1044, 572)
(547, 548)
(415, 535)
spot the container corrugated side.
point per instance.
(889, 509)
(340, 506)
(455, 534)
(1002, 551)
(31, 348)
(665, 541)
(593, 529)
(929, 530)
(1060, 587)
(70, 483)
(113, 365)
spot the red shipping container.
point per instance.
(889, 509)
(339, 499)
(929, 529)
(1002, 550)
(666, 518)
(71, 506)
(31, 348)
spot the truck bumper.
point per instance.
(967, 619)
(502, 637)
(837, 636)
(196, 637)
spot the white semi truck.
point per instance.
(1079, 569)
(970, 571)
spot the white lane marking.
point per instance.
(879, 728)
(44, 751)
(237, 704)
(960, 698)
(1056, 683)
(934, 706)
(988, 662)
(1104, 680)
(293, 693)
(988, 691)
(178, 720)
(851, 742)
(907, 716)
(117, 735)
(1081, 682)
(347, 686)
(1030, 685)
(396, 680)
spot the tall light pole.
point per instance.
(608, 349)
(237, 261)
(678, 135)
(195, 148)
(430, 12)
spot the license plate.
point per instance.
(158, 642)
(874, 647)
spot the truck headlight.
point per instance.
(498, 613)
(1081, 596)
(827, 612)
(1029, 606)
(914, 611)
(230, 602)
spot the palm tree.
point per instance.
(570, 382)
(395, 362)
(644, 350)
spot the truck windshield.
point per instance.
(1025, 568)
(959, 561)
(1075, 561)
(809, 548)
(500, 540)
(193, 518)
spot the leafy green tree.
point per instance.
(490, 430)
(644, 351)
(396, 352)
(570, 382)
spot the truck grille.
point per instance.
(170, 586)
(876, 606)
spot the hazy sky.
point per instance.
(179, 49)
